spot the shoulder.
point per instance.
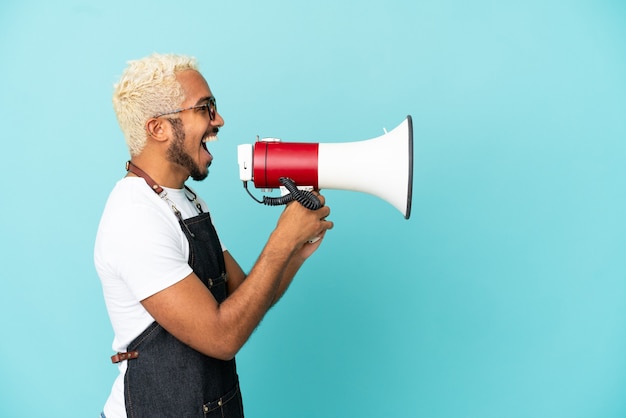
(139, 239)
(134, 210)
(131, 198)
(131, 191)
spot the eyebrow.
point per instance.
(205, 99)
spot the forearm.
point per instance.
(268, 279)
(287, 277)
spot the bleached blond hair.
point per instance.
(147, 87)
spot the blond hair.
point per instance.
(147, 87)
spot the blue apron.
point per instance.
(167, 378)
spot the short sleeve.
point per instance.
(146, 248)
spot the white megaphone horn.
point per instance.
(381, 166)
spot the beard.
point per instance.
(176, 152)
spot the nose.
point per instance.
(218, 121)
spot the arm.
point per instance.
(294, 265)
(236, 275)
(188, 310)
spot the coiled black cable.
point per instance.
(306, 198)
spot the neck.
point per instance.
(163, 173)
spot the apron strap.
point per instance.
(119, 357)
(139, 172)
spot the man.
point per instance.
(180, 305)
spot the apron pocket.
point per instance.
(229, 405)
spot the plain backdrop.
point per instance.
(502, 296)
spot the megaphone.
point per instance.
(381, 166)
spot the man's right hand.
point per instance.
(300, 225)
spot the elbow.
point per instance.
(226, 350)
(224, 354)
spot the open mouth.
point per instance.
(208, 138)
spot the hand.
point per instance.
(311, 246)
(307, 227)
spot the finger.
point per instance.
(324, 211)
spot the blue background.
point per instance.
(503, 295)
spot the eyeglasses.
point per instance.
(210, 107)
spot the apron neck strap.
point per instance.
(139, 172)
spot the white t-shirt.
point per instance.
(140, 250)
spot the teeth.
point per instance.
(209, 138)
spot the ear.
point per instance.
(157, 129)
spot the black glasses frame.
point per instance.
(210, 106)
